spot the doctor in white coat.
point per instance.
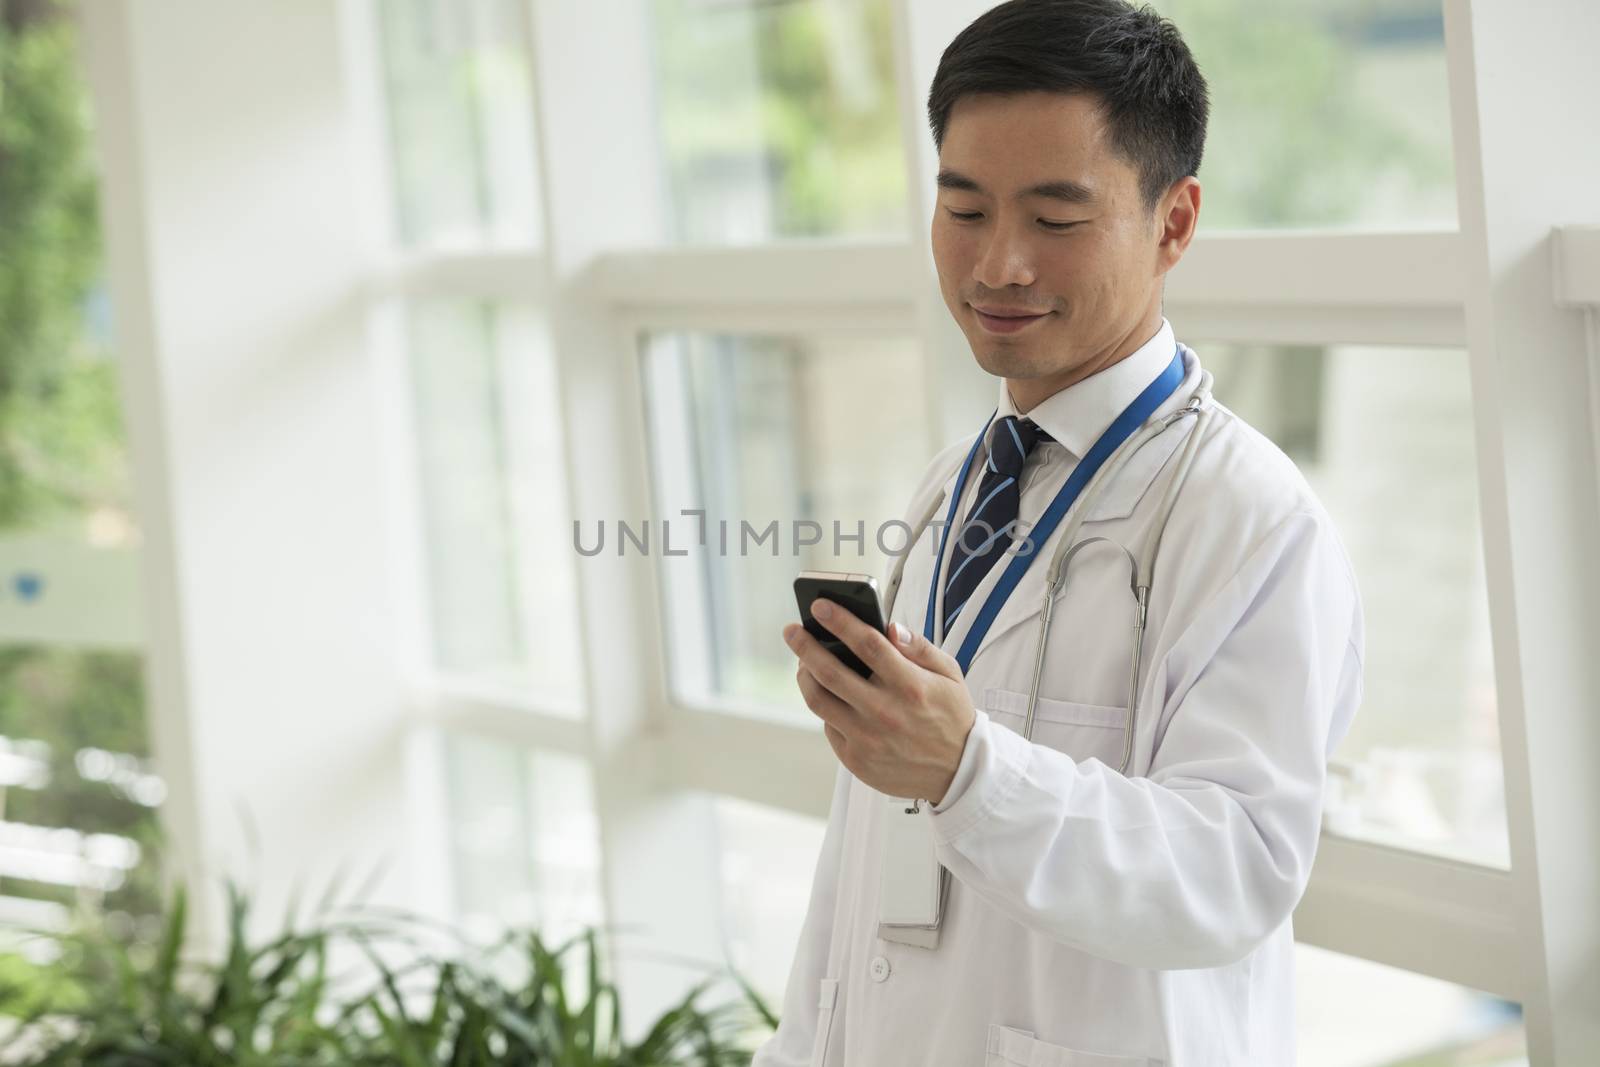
(1095, 916)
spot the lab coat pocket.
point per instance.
(1010, 1047)
(830, 994)
(1082, 731)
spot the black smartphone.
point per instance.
(856, 593)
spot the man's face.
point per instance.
(1038, 216)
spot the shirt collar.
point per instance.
(1077, 415)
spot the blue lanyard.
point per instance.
(1132, 417)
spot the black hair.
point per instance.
(1133, 61)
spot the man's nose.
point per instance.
(1004, 259)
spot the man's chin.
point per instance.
(1006, 362)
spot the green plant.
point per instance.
(105, 1002)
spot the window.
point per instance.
(78, 790)
(767, 433)
(488, 438)
(1353, 1013)
(1385, 437)
(460, 101)
(1326, 113)
(778, 120)
(525, 841)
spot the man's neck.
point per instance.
(1028, 393)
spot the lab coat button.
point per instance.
(880, 968)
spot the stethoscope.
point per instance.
(1141, 567)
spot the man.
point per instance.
(1120, 885)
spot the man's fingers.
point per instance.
(924, 653)
(824, 704)
(836, 740)
(827, 668)
(868, 644)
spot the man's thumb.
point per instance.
(919, 650)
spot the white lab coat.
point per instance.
(1097, 920)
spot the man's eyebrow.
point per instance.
(1064, 189)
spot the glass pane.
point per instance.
(1385, 437)
(1328, 112)
(460, 101)
(78, 790)
(768, 857)
(1355, 1013)
(779, 120)
(769, 434)
(500, 558)
(525, 841)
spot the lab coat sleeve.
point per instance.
(1197, 863)
(790, 1045)
(966, 769)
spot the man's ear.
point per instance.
(1176, 218)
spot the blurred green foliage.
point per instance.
(1324, 112)
(61, 442)
(61, 449)
(284, 1001)
(798, 96)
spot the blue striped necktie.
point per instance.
(986, 534)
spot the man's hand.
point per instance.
(902, 730)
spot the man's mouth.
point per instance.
(996, 318)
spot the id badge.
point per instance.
(912, 884)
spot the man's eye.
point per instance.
(964, 216)
(1047, 224)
